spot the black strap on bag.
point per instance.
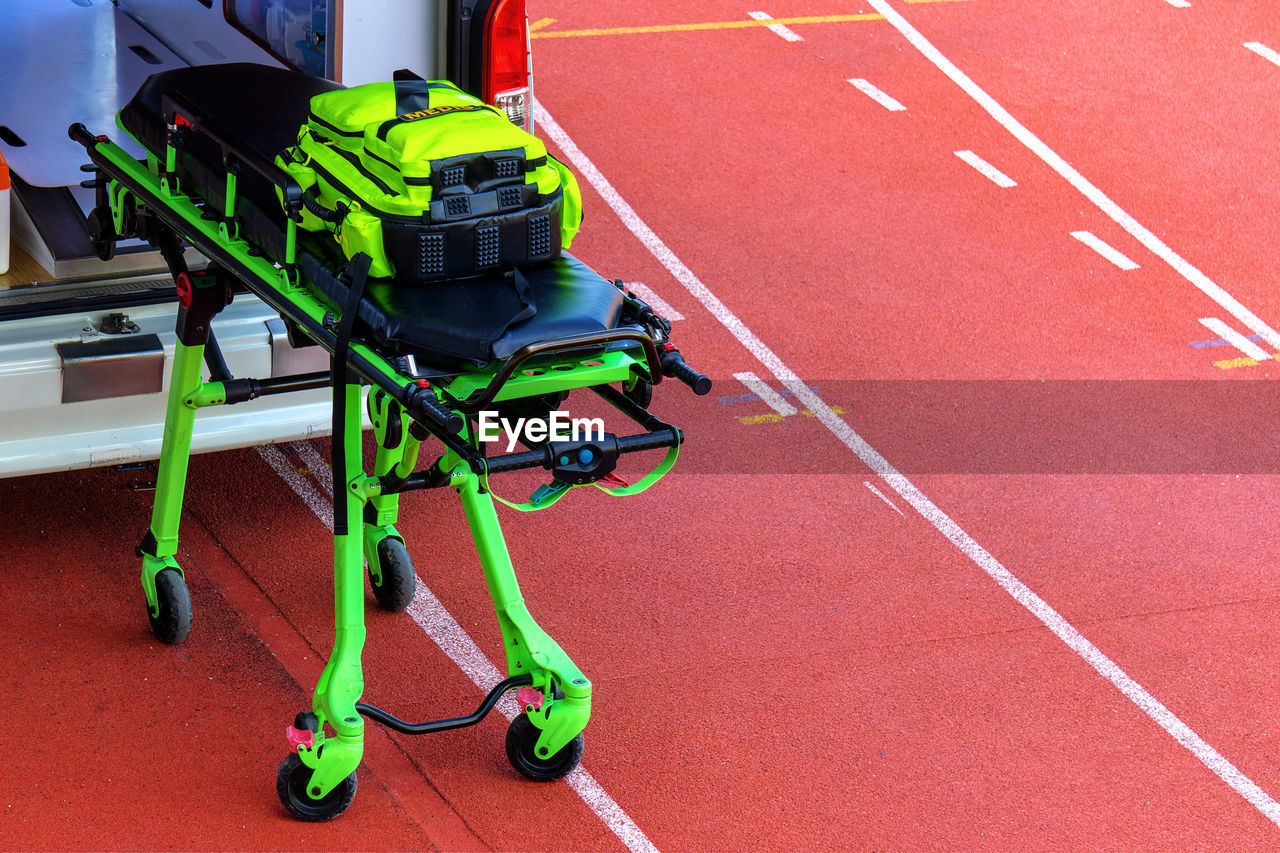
(355, 274)
(414, 93)
(524, 291)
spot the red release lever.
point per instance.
(183, 285)
(527, 696)
(299, 737)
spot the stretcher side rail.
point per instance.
(179, 113)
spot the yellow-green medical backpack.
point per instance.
(430, 182)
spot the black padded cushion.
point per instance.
(460, 322)
(445, 324)
(570, 297)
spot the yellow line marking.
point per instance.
(774, 417)
(709, 25)
(715, 25)
(539, 24)
(1244, 361)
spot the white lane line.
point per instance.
(319, 504)
(997, 177)
(436, 621)
(1020, 592)
(432, 617)
(1263, 51)
(1237, 340)
(764, 392)
(656, 302)
(1180, 4)
(886, 101)
(1051, 158)
(1105, 249)
(780, 29)
(318, 464)
(882, 496)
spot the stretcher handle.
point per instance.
(421, 400)
(545, 456)
(585, 341)
(79, 133)
(674, 365)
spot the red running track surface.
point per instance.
(782, 660)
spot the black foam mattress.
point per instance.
(469, 321)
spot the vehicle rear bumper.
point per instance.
(41, 433)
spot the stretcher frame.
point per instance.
(317, 780)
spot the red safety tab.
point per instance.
(668, 346)
(299, 737)
(423, 383)
(612, 481)
(180, 120)
(183, 285)
(527, 696)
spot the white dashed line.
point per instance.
(1180, 4)
(1105, 249)
(931, 512)
(882, 496)
(762, 390)
(997, 177)
(1054, 161)
(1263, 51)
(889, 103)
(1237, 340)
(786, 32)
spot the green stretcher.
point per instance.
(434, 358)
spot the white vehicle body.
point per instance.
(80, 384)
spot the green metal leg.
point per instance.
(161, 545)
(529, 648)
(396, 449)
(342, 681)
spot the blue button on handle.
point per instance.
(585, 456)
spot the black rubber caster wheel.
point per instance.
(102, 233)
(173, 623)
(291, 785)
(522, 736)
(641, 393)
(398, 579)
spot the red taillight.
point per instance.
(506, 61)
